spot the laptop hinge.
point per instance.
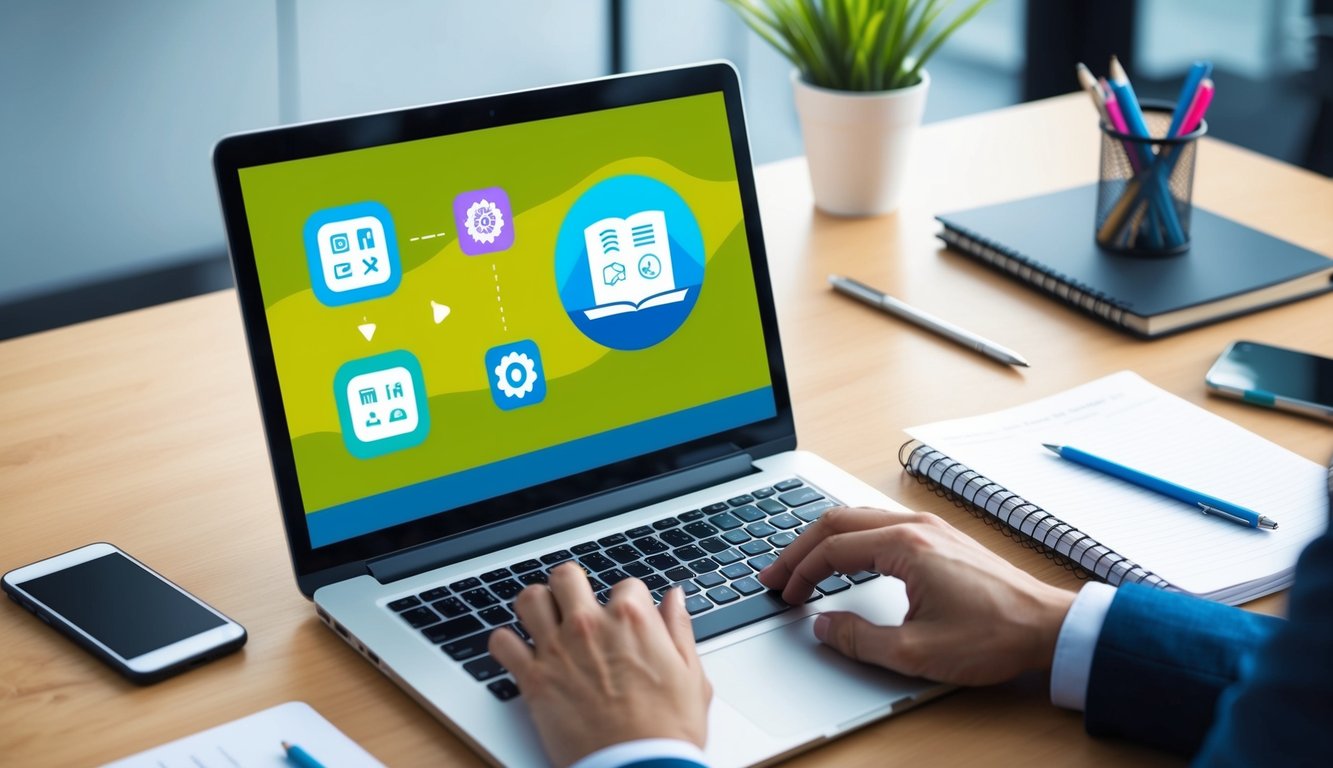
(436, 554)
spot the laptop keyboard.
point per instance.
(712, 553)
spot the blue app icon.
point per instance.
(516, 374)
(341, 274)
(382, 404)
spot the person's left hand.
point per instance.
(598, 676)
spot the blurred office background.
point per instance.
(110, 109)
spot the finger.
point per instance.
(858, 639)
(835, 521)
(571, 590)
(846, 553)
(537, 610)
(677, 621)
(512, 653)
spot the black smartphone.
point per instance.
(1274, 377)
(123, 612)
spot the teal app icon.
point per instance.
(382, 404)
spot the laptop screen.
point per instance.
(456, 318)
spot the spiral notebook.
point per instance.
(1047, 243)
(995, 466)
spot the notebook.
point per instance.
(255, 741)
(995, 465)
(1047, 242)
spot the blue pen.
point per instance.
(1129, 106)
(299, 757)
(1198, 71)
(1209, 505)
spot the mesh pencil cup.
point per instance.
(1145, 193)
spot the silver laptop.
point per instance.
(496, 335)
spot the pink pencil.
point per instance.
(1198, 107)
(1118, 123)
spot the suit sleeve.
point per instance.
(1281, 713)
(1161, 663)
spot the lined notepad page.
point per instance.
(1126, 419)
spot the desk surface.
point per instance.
(142, 429)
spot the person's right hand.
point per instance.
(973, 618)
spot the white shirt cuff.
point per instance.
(1077, 642)
(641, 749)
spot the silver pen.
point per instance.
(862, 292)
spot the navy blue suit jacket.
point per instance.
(1221, 683)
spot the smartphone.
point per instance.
(123, 612)
(1274, 377)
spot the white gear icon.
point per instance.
(485, 222)
(506, 384)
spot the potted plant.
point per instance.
(860, 84)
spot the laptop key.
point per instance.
(691, 516)
(677, 538)
(623, 554)
(680, 574)
(479, 598)
(484, 668)
(525, 566)
(419, 617)
(832, 585)
(662, 562)
(747, 586)
(665, 523)
(639, 532)
(689, 553)
(762, 561)
(586, 548)
(799, 497)
(503, 689)
(499, 574)
(689, 587)
(755, 547)
(781, 540)
(604, 596)
(697, 604)
(450, 607)
(737, 571)
(749, 514)
(507, 589)
(655, 581)
(741, 500)
(496, 615)
(786, 521)
(465, 584)
(403, 603)
(739, 614)
(650, 545)
(453, 629)
(860, 577)
(762, 493)
(533, 577)
(727, 556)
(596, 585)
(612, 540)
(722, 595)
(467, 647)
(812, 512)
(700, 529)
(613, 576)
(433, 594)
(713, 509)
(638, 570)
(713, 544)
(787, 485)
(737, 536)
(772, 506)
(725, 521)
(760, 530)
(597, 562)
(710, 580)
(704, 565)
(559, 556)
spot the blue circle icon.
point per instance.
(629, 262)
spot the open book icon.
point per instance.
(629, 263)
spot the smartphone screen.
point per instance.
(128, 609)
(1276, 371)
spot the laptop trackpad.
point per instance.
(773, 681)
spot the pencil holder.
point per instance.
(1146, 189)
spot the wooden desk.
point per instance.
(142, 430)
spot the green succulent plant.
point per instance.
(855, 45)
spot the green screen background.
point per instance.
(544, 166)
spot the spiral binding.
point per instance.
(1019, 519)
(1062, 286)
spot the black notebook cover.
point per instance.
(1053, 235)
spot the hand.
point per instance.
(973, 618)
(601, 676)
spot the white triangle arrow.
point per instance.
(440, 311)
(367, 330)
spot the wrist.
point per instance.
(1052, 605)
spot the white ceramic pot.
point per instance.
(857, 144)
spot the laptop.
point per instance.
(496, 335)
